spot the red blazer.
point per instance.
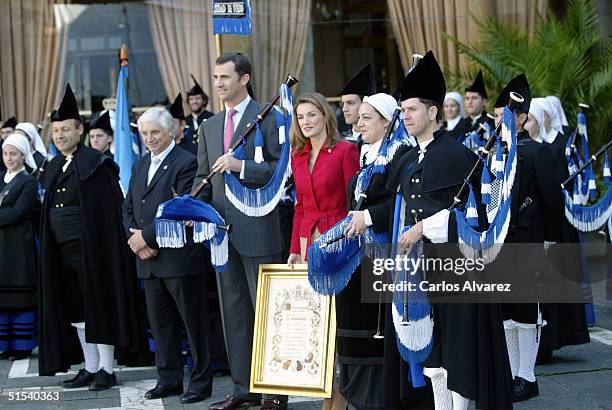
(321, 197)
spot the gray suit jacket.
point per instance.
(251, 236)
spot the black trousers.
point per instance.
(70, 264)
(170, 300)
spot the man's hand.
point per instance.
(410, 238)
(136, 241)
(147, 253)
(357, 224)
(227, 162)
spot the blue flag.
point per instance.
(124, 154)
(232, 17)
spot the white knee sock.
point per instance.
(443, 398)
(90, 350)
(513, 350)
(460, 402)
(528, 344)
(107, 357)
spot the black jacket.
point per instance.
(176, 171)
(18, 204)
(190, 137)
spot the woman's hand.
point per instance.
(293, 259)
(357, 224)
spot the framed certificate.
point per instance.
(294, 338)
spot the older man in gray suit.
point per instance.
(254, 240)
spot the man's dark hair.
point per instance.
(242, 65)
(431, 103)
(77, 123)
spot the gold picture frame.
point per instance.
(294, 339)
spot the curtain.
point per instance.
(280, 31)
(33, 40)
(419, 25)
(184, 45)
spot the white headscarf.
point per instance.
(22, 144)
(555, 123)
(536, 109)
(384, 104)
(454, 95)
(34, 136)
(556, 103)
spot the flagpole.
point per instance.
(218, 50)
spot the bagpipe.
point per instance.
(584, 217)
(495, 192)
(208, 225)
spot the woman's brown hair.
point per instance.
(297, 138)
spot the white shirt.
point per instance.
(370, 151)
(240, 108)
(423, 148)
(156, 161)
(451, 124)
(9, 176)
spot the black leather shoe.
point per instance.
(525, 390)
(159, 392)
(232, 402)
(82, 379)
(21, 354)
(544, 356)
(103, 381)
(273, 404)
(193, 397)
(5, 355)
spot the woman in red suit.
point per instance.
(322, 165)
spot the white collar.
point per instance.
(162, 155)
(452, 123)
(241, 107)
(423, 145)
(372, 151)
(9, 176)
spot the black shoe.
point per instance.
(193, 397)
(5, 355)
(82, 379)
(525, 390)
(21, 354)
(159, 392)
(544, 356)
(103, 381)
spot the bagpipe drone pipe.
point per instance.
(208, 225)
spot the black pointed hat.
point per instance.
(478, 86)
(362, 83)
(103, 123)
(520, 85)
(176, 108)
(424, 81)
(68, 108)
(10, 123)
(196, 89)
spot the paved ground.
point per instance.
(579, 377)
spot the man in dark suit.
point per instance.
(475, 101)
(197, 100)
(174, 279)
(360, 85)
(254, 240)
